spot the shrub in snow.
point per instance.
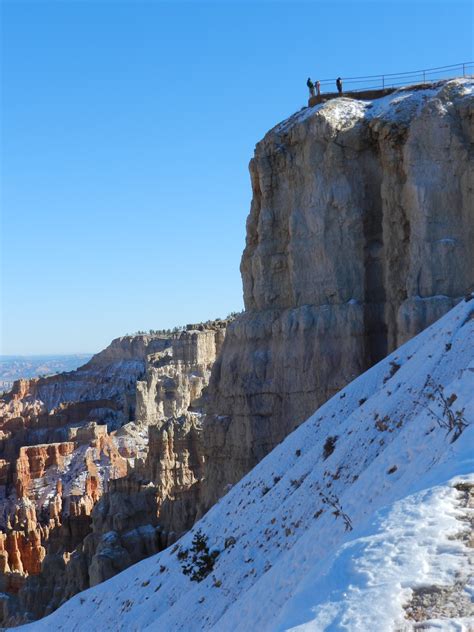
(329, 447)
(199, 560)
(333, 501)
(451, 420)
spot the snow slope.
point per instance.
(340, 525)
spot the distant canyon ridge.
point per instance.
(16, 367)
(359, 236)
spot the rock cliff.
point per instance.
(360, 235)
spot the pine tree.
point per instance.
(202, 560)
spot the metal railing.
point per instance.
(393, 80)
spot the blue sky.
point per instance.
(127, 129)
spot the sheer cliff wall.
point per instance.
(360, 234)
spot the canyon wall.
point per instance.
(41, 410)
(360, 234)
(77, 511)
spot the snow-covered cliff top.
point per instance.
(399, 106)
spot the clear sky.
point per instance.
(127, 128)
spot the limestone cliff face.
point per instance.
(360, 235)
(176, 376)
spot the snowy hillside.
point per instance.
(359, 517)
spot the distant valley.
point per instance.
(15, 367)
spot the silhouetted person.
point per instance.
(310, 85)
(318, 88)
(339, 85)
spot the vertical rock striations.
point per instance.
(360, 235)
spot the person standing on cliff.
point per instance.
(339, 85)
(310, 85)
(318, 88)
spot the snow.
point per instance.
(295, 565)
(371, 576)
(399, 106)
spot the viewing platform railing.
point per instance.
(397, 79)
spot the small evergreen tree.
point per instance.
(202, 561)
